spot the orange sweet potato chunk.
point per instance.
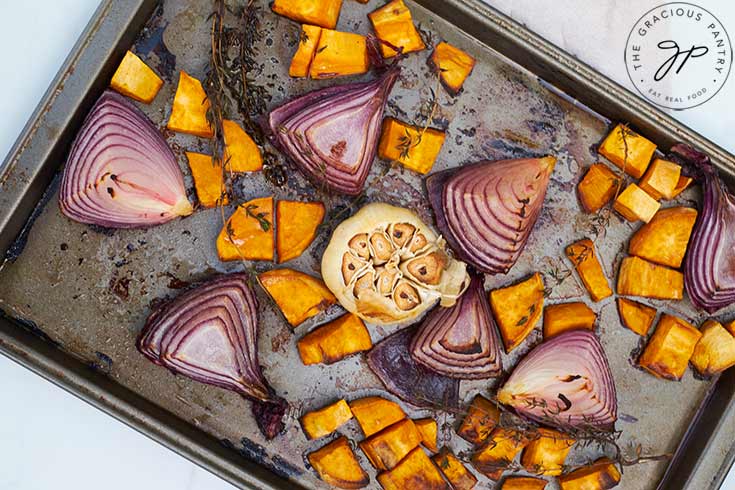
(665, 238)
(638, 277)
(428, 430)
(523, 483)
(453, 65)
(715, 350)
(628, 150)
(635, 204)
(600, 475)
(308, 43)
(207, 179)
(482, 417)
(299, 296)
(668, 351)
(598, 187)
(248, 233)
(323, 13)
(546, 453)
(661, 179)
(389, 446)
(730, 327)
(393, 23)
(297, 227)
(682, 185)
(583, 257)
(415, 148)
(322, 422)
(415, 472)
(636, 316)
(374, 414)
(134, 79)
(499, 451)
(334, 341)
(189, 110)
(337, 465)
(456, 473)
(339, 54)
(567, 316)
(241, 152)
(517, 309)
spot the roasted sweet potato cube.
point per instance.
(339, 54)
(415, 148)
(628, 150)
(297, 227)
(428, 430)
(322, 13)
(567, 316)
(517, 309)
(415, 472)
(668, 351)
(682, 185)
(546, 453)
(499, 451)
(661, 179)
(715, 350)
(334, 341)
(665, 238)
(299, 296)
(456, 473)
(635, 204)
(308, 44)
(190, 107)
(393, 24)
(636, 316)
(482, 417)
(134, 79)
(453, 65)
(248, 233)
(523, 483)
(374, 413)
(389, 446)
(600, 475)
(208, 179)
(337, 465)
(583, 257)
(598, 187)
(322, 422)
(730, 327)
(638, 277)
(241, 152)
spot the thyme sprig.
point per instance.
(251, 210)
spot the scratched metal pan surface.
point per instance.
(83, 294)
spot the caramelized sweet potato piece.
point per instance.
(323, 13)
(636, 204)
(339, 54)
(297, 226)
(190, 107)
(248, 233)
(241, 152)
(567, 316)
(638, 277)
(337, 465)
(456, 473)
(517, 309)
(545, 454)
(597, 187)
(665, 238)
(499, 451)
(523, 483)
(299, 296)
(334, 341)
(413, 147)
(134, 79)
(415, 472)
(682, 185)
(715, 350)
(428, 430)
(207, 179)
(453, 65)
(600, 475)
(374, 413)
(482, 417)
(393, 23)
(322, 422)
(636, 316)
(668, 351)
(623, 141)
(583, 257)
(389, 446)
(730, 327)
(308, 43)
(661, 179)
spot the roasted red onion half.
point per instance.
(709, 270)
(487, 210)
(210, 334)
(332, 134)
(566, 383)
(120, 173)
(460, 341)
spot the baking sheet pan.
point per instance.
(89, 290)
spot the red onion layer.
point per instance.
(120, 173)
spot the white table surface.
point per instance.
(48, 438)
